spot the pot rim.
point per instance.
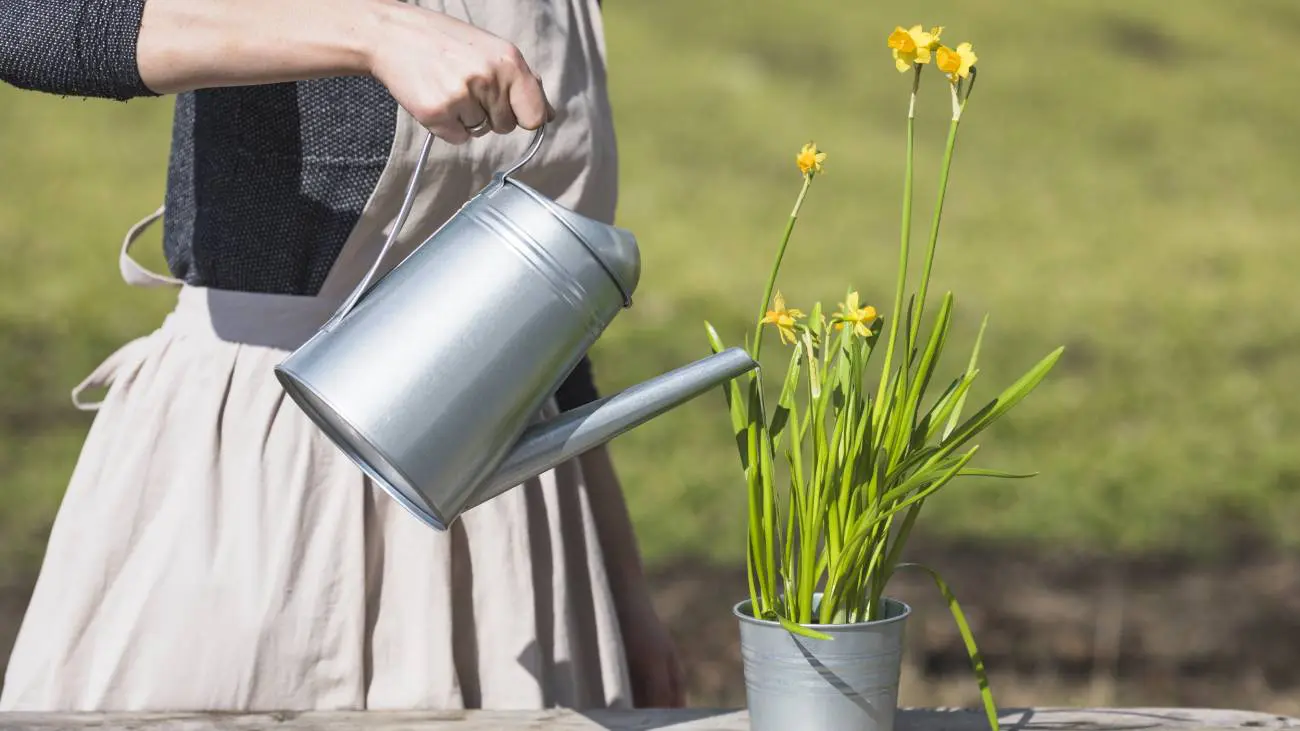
(751, 619)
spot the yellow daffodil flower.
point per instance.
(860, 318)
(810, 159)
(784, 318)
(910, 46)
(956, 64)
(935, 32)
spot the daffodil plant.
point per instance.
(861, 462)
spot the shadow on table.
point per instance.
(677, 719)
(1091, 719)
(1010, 719)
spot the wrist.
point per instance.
(378, 23)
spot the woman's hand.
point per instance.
(447, 74)
(453, 77)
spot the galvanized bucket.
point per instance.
(848, 683)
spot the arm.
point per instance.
(449, 75)
(121, 49)
(193, 44)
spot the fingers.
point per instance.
(496, 104)
(529, 102)
(452, 122)
(480, 82)
(510, 93)
(507, 97)
(473, 117)
(522, 91)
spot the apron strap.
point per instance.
(134, 274)
(107, 372)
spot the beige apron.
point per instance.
(214, 552)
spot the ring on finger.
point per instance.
(480, 129)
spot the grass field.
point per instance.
(1123, 186)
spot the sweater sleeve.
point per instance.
(83, 48)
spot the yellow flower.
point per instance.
(861, 318)
(784, 319)
(935, 32)
(956, 64)
(810, 159)
(910, 46)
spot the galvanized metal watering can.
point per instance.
(430, 379)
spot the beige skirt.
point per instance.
(214, 551)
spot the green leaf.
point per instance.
(923, 486)
(972, 652)
(970, 373)
(761, 557)
(909, 324)
(977, 472)
(802, 630)
(765, 455)
(735, 405)
(945, 408)
(1003, 403)
(933, 351)
(784, 403)
(913, 460)
(900, 420)
(900, 538)
(815, 377)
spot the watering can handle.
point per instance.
(405, 210)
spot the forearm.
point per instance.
(128, 48)
(192, 44)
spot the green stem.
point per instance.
(776, 265)
(754, 477)
(938, 214)
(903, 245)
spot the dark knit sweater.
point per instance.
(264, 182)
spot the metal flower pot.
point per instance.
(847, 683)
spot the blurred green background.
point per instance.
(1122, 186)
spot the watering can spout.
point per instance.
(549, 443)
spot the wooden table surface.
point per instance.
(1013, 719)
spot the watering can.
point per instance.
(431, 378)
